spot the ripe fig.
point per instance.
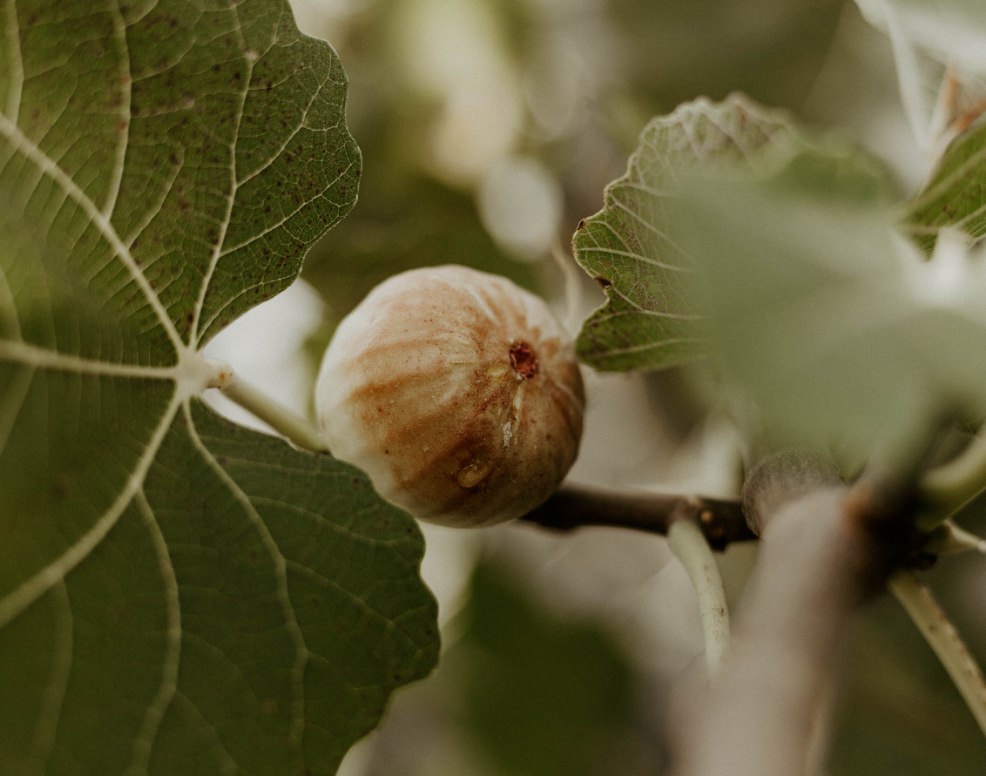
(458, 394)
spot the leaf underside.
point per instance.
(177, 594)
(953, 197)
(780, 255)
(824, 316)
(630, 247)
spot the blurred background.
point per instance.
(488, 129)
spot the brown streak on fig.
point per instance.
(457, 393)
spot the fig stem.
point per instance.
(941, 635)
(690, 546)
(576, 506)
(294, 427)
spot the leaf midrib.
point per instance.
(52, 170)
(29, 591)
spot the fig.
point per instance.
(457, 392)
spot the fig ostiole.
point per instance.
(457, 392)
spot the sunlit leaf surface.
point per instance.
(631, 246)
(177, 595)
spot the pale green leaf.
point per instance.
(956, 194)
(828, 322)
(177, 595)
(631, 246)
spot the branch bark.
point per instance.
(574, 506)
(825, 547)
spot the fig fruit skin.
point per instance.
(457, 392)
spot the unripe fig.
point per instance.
(456, 392)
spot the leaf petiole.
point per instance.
(944, 639)
(691, 548)
(294, 427)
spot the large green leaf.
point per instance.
(177, 595)
(631, 248)
(954, 195)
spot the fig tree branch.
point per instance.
(575, 506)
(825, 547)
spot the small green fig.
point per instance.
(457, 392)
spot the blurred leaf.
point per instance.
(403, 221)
(897, 711)
(954, 195)
(177, 595)
(951, 31)
(544, 696)
(822, 315)
(631, 246)
(406, 217)
(772, 50)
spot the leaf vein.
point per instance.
(120, 155)
(52, 170)
(389, 624)
(230, 766)
(12, 403)
(316, 93)
(277, 225)
(628, 254)
(43, 358)
(280, 571)
(629, 349)
(341, 530)
(217, 249)
(146, 736)
(241, 293)
(29, 591)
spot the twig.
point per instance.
(944, 639)
(575, 506)
(690, 546)
(949, 539)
